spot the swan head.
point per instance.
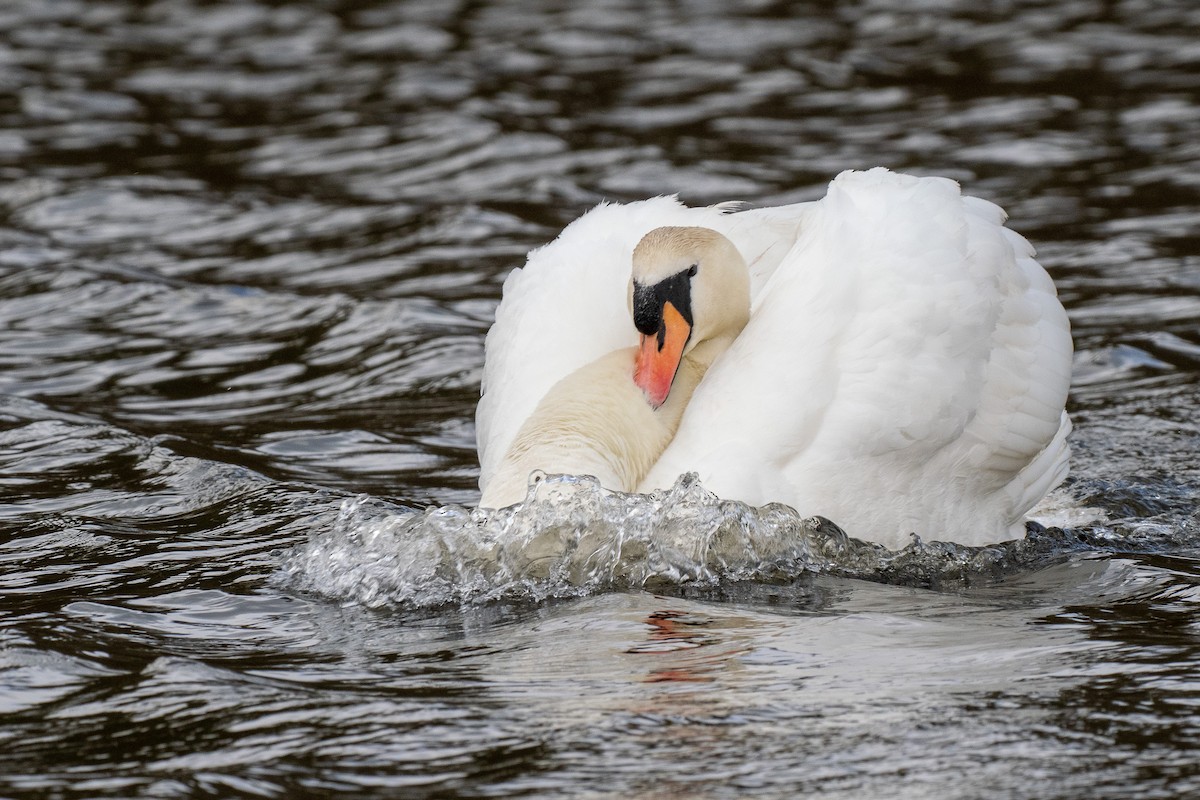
(690, 286)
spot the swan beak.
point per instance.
(659, 355)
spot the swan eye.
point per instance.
(694, 269)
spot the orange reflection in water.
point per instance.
(684, 642)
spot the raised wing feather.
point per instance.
(906, 365)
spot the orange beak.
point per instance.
(659, 355)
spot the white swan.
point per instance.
(890, 357)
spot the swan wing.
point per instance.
(904, 369)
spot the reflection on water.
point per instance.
(248, 253)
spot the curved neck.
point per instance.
(692, 367)
(596, 421)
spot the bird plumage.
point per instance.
(904, 368)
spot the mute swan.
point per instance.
(890, 357)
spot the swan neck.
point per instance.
(692, 367)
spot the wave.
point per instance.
(570, 538)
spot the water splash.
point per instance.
(570, 537)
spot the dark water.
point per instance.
(248, 254)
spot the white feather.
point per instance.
(904, 369)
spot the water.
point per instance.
(248, 253)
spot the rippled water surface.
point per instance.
(248, 255)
